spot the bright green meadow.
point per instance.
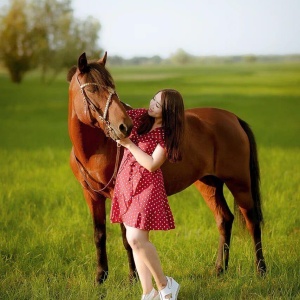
(46, 236)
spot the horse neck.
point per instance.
(87, 141)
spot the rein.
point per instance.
(83, 172)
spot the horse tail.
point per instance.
(254, 171)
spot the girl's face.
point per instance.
(155, 106)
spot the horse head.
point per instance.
(94, 99)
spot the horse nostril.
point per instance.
(123, 128)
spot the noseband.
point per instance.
(89, 103)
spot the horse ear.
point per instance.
(82, 63)
(103, 59)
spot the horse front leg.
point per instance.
(132, 269)
(96, 205)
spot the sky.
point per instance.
(199, 27)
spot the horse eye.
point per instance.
(92, 89)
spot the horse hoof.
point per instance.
(133, 277)
(261, 268)
(219, 271)
(101, 277)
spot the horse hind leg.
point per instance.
(253, 218)
(211, 189)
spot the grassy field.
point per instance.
(46, 239)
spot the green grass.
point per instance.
(46, 239)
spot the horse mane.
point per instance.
(71, 73)
(99, 75)
(96, 72)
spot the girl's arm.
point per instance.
(149, 162)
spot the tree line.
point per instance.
(44, 35)
(181, 57)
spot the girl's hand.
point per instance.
(150, 162)
(124, 142)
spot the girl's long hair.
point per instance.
(172, 123)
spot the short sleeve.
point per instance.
(135, 114)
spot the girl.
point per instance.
(140, 201)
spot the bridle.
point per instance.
(90, 104)
(107, 130)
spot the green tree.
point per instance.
(17, 36)
(181, 57)
(44, 34)
(81, 36)
(250, 58)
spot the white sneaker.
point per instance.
(170, 291)
(151, 295)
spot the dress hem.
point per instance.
(155, 229)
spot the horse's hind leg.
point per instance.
(132, 268)
(243, 198)
(97, 208)
(211, 189)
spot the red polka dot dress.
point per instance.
(140, 199)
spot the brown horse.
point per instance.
(219, 148)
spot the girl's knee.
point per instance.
(134, 242)
(136, 238)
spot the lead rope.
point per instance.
(113, 176)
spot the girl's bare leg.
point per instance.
(145, 275)
(146, 259)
